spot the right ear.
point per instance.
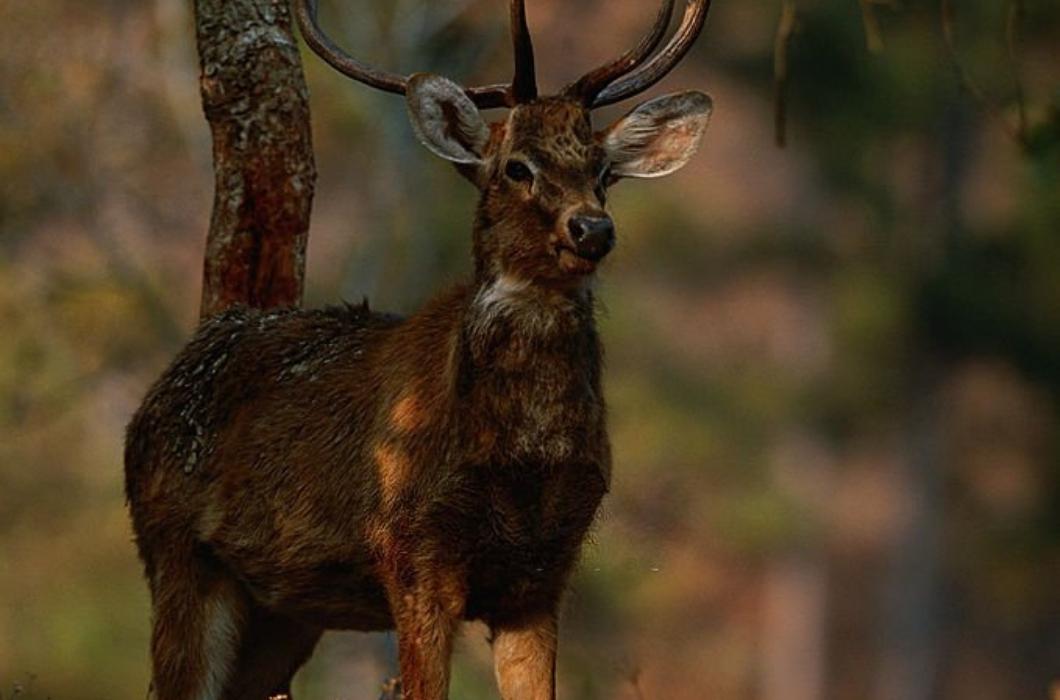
(659, 136)
(445, 119)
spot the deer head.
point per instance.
(543, 172)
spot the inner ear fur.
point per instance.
(445, 120)
(659, 136)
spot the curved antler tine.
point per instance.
(306, 14)
(655, 70)
(524, 83)
(485, 97)
(591, 84)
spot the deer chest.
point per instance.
(550, 412)
(532, 522)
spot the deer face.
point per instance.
(543, 186)
(543, 173)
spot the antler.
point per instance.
(592, 83)
(629, 75)
(524, 83)
(523, 87)
(624, 77)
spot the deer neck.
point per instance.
(530, 371)
(513, 323)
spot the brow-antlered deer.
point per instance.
(295, 471)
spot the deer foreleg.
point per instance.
(524, 659)
(426, 615)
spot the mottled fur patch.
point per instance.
(394, 469)
(410, 414)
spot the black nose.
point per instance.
(593, 236)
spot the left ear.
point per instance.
(659, 136)
(445, 120)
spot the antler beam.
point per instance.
(658, 67)
(591, 84)
(306, 14)
(624, 77)
(523, 87)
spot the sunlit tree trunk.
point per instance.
(255, 99)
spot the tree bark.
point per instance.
(255, 99)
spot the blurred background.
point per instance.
(834, 369)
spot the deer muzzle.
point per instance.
(593, 236)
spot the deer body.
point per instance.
(295, 471)
(475, 447)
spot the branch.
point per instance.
(873, 35)
(1013, 20)
(781, 44)
(946, 17)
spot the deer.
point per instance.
(295, 471)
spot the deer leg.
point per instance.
(426, 616)
(524, 659)
(198, 616)
(274, 647)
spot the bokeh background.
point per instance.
(834, 369)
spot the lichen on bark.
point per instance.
(256, 101)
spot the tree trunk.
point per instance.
(255, 98)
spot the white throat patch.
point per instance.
(530, 310)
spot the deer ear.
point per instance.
(445, 119)
(659, 136)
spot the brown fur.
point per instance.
(295, 471)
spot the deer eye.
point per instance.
(519, 171)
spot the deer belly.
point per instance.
(320, 580)
(332, 595)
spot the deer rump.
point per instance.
(317, 463)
